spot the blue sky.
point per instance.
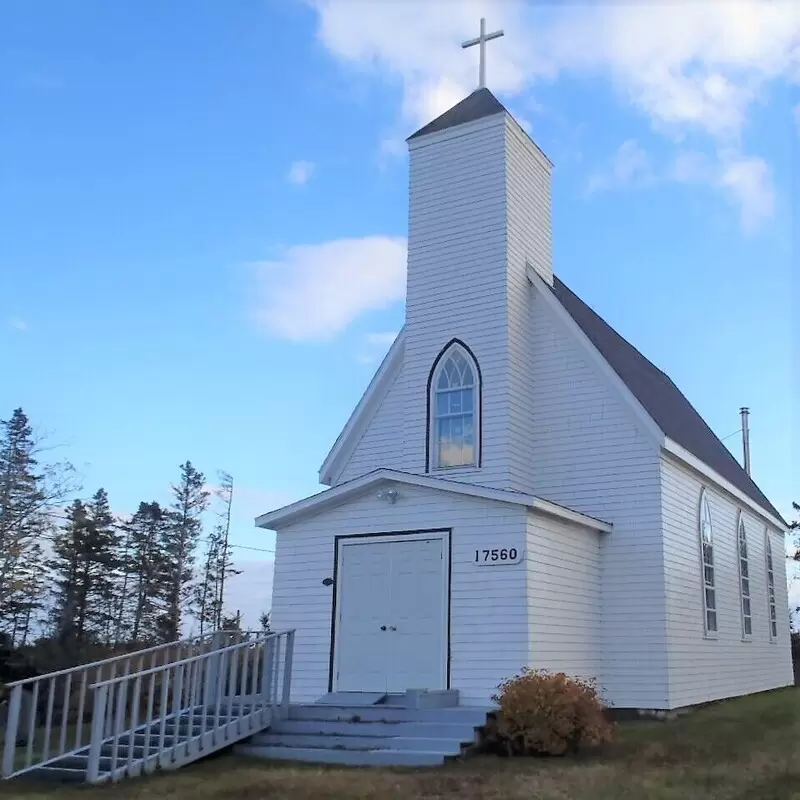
(203, 212)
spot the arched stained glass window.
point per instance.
(454, 409)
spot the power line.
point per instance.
(246, 547)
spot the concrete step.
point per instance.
(355, 742)
(475, 717)
(359, 758)
(426, 730)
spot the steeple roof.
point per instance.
(481, 103)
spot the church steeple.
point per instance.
(479, 218)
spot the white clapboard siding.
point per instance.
(457, 281)
(590, 455)
(479, 213)
(488, 619)
(381, 444)
(701, 668)
(564, 598)
(529, 242)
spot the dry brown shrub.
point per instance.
(544, 713)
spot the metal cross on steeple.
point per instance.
(481, 40)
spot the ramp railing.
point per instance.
(48, 717)
(175, 713)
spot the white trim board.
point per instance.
(363, 412)
(687, 459)
(319, 502)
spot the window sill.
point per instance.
(712, 635)
(747, 638)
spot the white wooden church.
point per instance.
(519, 486)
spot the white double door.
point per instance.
(391, 621)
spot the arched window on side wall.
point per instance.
(454, 409)
(773, 616)
(744, 581)
(707, 559)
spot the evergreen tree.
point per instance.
(225, 567)
(66, 567)
(190, 500)
(29, 494)
(123, 579)
(205, 593)
(264, 621)
(102, 561)
(149, 571)
(83, 568)
(21, 495)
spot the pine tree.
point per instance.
(149, 571)
(66, 567)
(190, 500)
(123, 579)
(225, 567)
(102, 561)
(21, 496)
(29, 494)
(206, 592)
(83, 568)
(263, 619)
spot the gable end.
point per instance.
(363, 412)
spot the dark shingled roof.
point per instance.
(661, 398)
(481, 103)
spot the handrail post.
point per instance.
(266, 673)
(98, 728)
(287, 674)
(213, 665)
(12, 729)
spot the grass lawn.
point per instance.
(747, 749)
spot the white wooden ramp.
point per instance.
(158, 708)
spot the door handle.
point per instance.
(383, 627)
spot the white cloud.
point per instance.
(375, 346)
(694, 63)
(748, 181)
(689, 67)
(300, 173)
(18, 324)
(630, 166)
(745, 180)
(315, 291)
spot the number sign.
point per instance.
(498, 556)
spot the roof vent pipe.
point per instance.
(745, 412)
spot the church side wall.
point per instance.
(564, 597)
(701, 668)
(488, 615)
(589, 454)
